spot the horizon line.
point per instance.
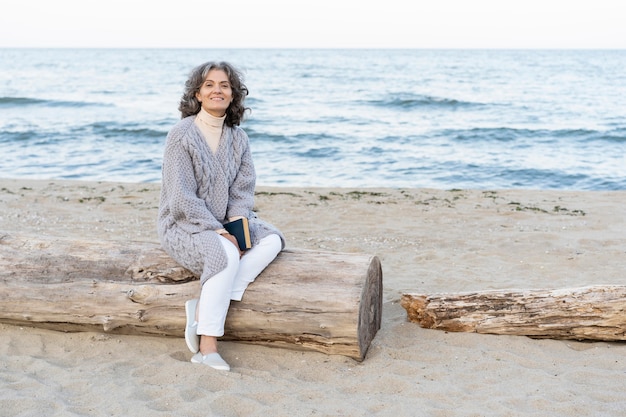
(521, 48)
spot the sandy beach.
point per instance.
(429, 241)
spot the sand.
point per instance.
(429, 241)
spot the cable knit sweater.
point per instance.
(200, 191)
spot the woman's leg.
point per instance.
(212, 309)
(217, 291)
(253, 263)
(215, 295)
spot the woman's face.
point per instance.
(215, 94)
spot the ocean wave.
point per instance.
(422, 101)
(509, 134)
(611, 136)
(498, 134)
(115, 130)
(322, 152)
(260, 136)
(16, 137)
(27, 101)
(486, 176)
(298, 139)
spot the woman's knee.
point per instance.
(272, 243)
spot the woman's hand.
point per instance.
(234, 242)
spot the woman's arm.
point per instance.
(241, 192)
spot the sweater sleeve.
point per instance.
(241, 192)
(180, 188)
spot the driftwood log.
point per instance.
(323, 301)
(587, 313)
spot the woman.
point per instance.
(208, 179)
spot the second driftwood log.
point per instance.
(324, 301)
(587, 313)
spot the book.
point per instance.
(241, 230)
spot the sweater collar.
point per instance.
(210, 120)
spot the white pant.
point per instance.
(230, 283)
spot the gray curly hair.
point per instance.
(189, 105)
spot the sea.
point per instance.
(400, 118)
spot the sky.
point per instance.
(545, 24)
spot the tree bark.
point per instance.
(587, 313)
(323, 301)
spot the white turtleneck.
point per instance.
(211, 128)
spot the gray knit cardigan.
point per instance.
(200, 191)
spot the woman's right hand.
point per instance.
(234, 242)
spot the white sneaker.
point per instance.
(191, 335)
(214, 360)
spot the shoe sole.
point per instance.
(191, 338)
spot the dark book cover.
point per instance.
(240, 229)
